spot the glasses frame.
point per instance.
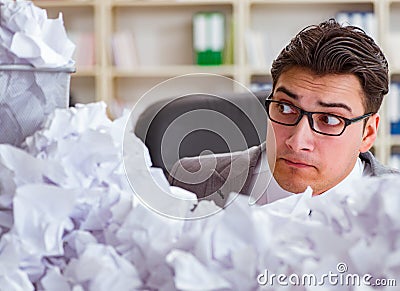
(309, 114)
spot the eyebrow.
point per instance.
(321, 103)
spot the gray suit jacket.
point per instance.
(213, 177)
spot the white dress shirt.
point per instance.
(263, 183)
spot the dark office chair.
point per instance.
(199, 124)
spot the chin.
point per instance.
(291, 183)
(295, 189)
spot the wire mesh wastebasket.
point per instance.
(27, 96)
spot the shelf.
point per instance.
(266, 16)
(318, 2)
(170, 71)
(167, 39)
(64, 3)
(85, 72)
(395, 140)
(170, 3)
(395, 72)
(82, 89)
(259, 71)
(153, 89)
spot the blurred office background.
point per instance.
(126, 47)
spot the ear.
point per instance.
(370, 133)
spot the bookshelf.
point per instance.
(162, 34)
(79, 19)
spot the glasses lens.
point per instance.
(327, 123)
(283, 113)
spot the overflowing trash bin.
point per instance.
(27, 96)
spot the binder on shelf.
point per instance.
(209, 38)
(229, 46)
(394, 108)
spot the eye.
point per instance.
(329, 120)
(286, 109)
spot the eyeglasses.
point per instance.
(324, 123)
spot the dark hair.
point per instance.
(329, 48)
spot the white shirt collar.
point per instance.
(358, 171)
(263, 183)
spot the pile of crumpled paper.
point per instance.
(35, 66)
(28, 36)
(70, 221)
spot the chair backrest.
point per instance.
(199, 124)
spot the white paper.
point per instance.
(27, 36)
(11, 277)
(186, 264)
(41, 217)
(104, 268)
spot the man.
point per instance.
(328, 85)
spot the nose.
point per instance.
(301, 137)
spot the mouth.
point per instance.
(297, 164)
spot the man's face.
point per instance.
(306, 158)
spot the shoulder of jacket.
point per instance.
(377, 168)
(216, 162)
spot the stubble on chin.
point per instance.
(292, 180)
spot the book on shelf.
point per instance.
(393, 100)
(393, 45)
(260, 87)
(84, 54)
(256, 49)
(364, 20)
(124, 50)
